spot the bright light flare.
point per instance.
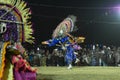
(117, 9)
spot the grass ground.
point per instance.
(78, 73)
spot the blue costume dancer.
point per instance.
(62, 37)
(70, 56)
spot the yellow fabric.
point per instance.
(8, 71)
(10, 75)
(80, 39)
(3, 52)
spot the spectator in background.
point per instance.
(55, 57)
(31, 56)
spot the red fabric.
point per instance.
(21, 63)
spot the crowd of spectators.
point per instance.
(88, 56)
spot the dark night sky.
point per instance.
(97, 20)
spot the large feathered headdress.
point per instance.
(66, 26)
(15, 21)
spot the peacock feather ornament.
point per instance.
(15, 25)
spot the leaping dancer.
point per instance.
(61, 37)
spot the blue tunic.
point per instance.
(55, 41)
(70, 56)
